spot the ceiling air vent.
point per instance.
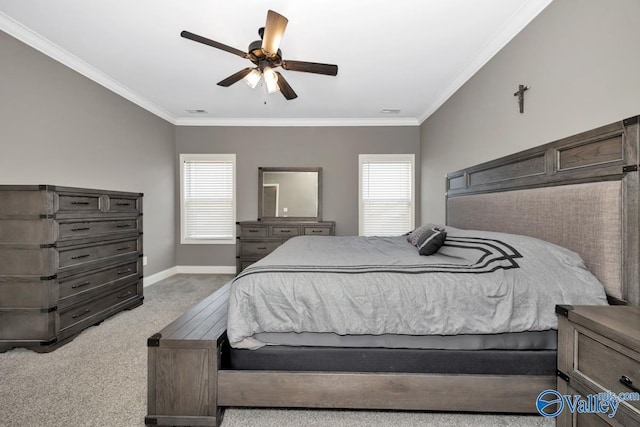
(196, 111)
(390, 111)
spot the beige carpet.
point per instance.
(100, 378)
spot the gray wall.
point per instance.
(580, 58)
(335, 149)
(60, 128)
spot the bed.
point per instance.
(580, 194)
(357, 291)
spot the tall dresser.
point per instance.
(69, 258)
(258, 239)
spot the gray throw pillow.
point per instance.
(416, 233)
(430, 241)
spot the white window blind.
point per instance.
(386, 206)
(208, 198)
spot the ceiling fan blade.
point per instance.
(273, 32)
(235, 77)
(311, 67)
(286, 90)
(204, 40)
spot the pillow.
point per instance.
(415, 234)
(430, 241)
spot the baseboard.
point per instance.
(154, 278)
(188, 269)
(206, 269)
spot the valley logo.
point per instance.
(551, 403)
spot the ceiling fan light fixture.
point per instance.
(271, 80)
(253, 78)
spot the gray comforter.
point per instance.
(477, 283)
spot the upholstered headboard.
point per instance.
(580, 192)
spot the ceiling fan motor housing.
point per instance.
(261, 59)
(256, 48)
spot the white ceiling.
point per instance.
(409, 55)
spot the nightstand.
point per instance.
(599, 352)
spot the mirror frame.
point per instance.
(261, 170)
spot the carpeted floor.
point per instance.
(100, 378)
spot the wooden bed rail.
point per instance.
(392, 391)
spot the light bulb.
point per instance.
(271, 79)
(253, 78)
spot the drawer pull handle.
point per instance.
(262, 248)
(79, 285)
(123, 204)
(316, 231)
(82, 313)
(128, 270)
(79, 203)
(80, 256)
(627, 382)
(123, 225)
(124, 248)
(253, 231)
(125, 295)
(81, 229)
(285, 231)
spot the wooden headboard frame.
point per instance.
(603, 157)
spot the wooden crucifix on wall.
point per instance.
(520, 95)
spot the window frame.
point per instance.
(364, 158)
(213, 157)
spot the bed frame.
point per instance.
(580, 192)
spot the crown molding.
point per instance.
(516, 23)
(299, 122)
(36, 41)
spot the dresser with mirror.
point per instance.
(289, 205)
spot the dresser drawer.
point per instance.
(257, 249)
(123, 205)
(317, 231)
(29, 231)
(83, 283)
(91, 228)
(590, 420)
(284, 231)
(32, 325)
(27, 293)
(254, 231)
(605, 366)
(85, 311)
(72, 257)
(79, 203)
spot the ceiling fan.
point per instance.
(266, 56)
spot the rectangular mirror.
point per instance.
(290, 194)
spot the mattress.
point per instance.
(529, 340)
(477, 283)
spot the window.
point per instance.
(207, 198)
(386, 205)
